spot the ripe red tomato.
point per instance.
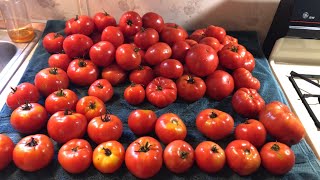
(157, 53)
(52, 42)
(214, 124)
(102, 20)
(82, 72)
(143, 157)
(281, 123)
(242, 157)
(29, 118)
(277, 158)
(114, 74)
(243, 78)
(66, 125)
(142, 122)
(134, 94)
(128, 57)
(179, 50)
(252, 131)
(63, 99)
(101, 89)
(49, 80)
(113, 35)
(90, 107)
(172, 33)
(212, 42)
(60, 61)
(220, 84)
(247, 102)
(210, 157)
(178, 156)
(77, 45)
(142, 75)
(190, 88)
(161, 92)
(104, 128)
(232, 56)
(229, 39)
(249, 62)
(216, 32)
(146, 38)
(33, 152)
(171, 68)
(170, 127)
(153, 20)
(80, 25)
(108, 156)
(198, 34)
(75, 156)
(130, 23)
(191, 42)
(24, 92)
(201, 60)
(6, 150)
(102, 53)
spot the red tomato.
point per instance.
(80, 25)
(191, 42)
(59, 60)
(179, 50)
(216, 32)
(198, 34)
(161, 92)
(101, 89)
(171, 68)
(242, 157)
(214, 124)
(170, 127)
(142, 122)
(157, 53)
(144, 157)
(82, 72)
(210, 157)
(77, 45)
(247, 102)
(146, 38)
(277, 158)
(212, 42)
(114, 74)
(134, 94)
(130, 23)
(172, 33)
(220, 84)
(6, 150)
(153, 20)
(29, 118)
(75, 156)
(33, 152)
(52, 42)
(24, 92)
(243, 78)
(108, 156)
(49, 80)
(252, 131)
(90, 107)
(128, 57)
(229, 39)
(281, 123)
(249, 62)
(102, 20)
(142, 75)
(63, 99)
(178, 156)
(104, 128)
(113, 35)
(102, 53)
(190, 88)
(232, 56)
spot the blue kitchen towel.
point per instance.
(306, 166)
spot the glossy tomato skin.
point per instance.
(113, 35)
(229, 39)
(33, 152)
(216, 32)
(142, 122)
(134, 94)
(157, 53)
(130, 23)
(108, 156)
(66, 125)
(146, 38)
(212, 42)
(210, 157)
(178, 156)
(143, 157)
(220, 84)
(179, 50)
(101, 89)
(6, 151)
(142, 75)
(102, 53)
(90, 107)
(24, 92)
(59, 60)
(82, 72)
(102, 20)
(29, 118)
(75, 156)
(243, 78)
(172, 33)
(252, 131)
(171, 68)
(128, 57)
(153, 20)
(242, 157)
(277, 158)
(161, 92)
(232, 56)
(63, 99)
(191, 42)
(276, 117)
(214, 124)
(190, 88)
(80, 25)
(114, 74)
(198, 34)
(170, 127)
(77, 45)
(249, 62)
(52, 42)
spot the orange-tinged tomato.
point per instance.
(6, 150)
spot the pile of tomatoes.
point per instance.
(163, 63)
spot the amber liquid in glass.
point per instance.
(24, 34)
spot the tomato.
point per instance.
(77, 45)
(24, 92)
(171, 68)
(170, 127)
(247, 102)
(101, 89)
(220, 84)
(243, 78)
(277, 158)
(90, 107)
(108, 156)
(143, 157)
(75, 156)
(114, 74)
(232, 56)
(33, 152)
(29, 118)
(178, 156)
(142, 75)
(210, 157)
(52, 42)
(179, 50)
(80, 25)
(252, 131)
(249, 62)
(190, 88)
(61, 100)
(66, 125)
(172, 33)
(191, 42)
(201, 60)
(198, 34)
(82, 72)
(242, 157)
(153, 20)
(6, 150)
(130, 23)
(214, 124)
(161, 92)
(102, 20)
(134, 94)
(229, 39)
(157, 53)
(59, 60)
(216, 32)
(142, 122)
(212, 42)
(281, 123)
(128, 57)
(49, 80)
(96, 37)
(146, 38)
(113, 35)
(102, 53)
